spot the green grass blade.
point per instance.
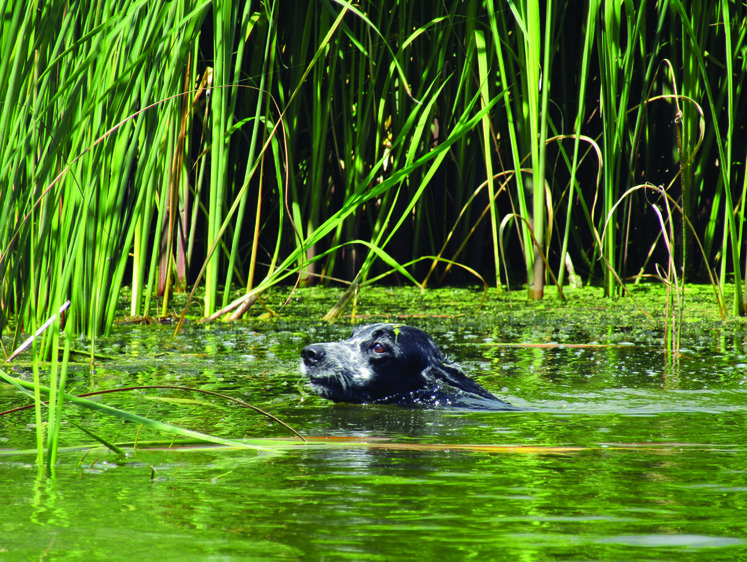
(486, 135)
(128, 416)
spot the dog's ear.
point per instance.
(453, 376)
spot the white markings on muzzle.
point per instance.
(344, 365)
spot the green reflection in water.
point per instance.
(657, 469)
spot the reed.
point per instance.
(720, 95)
(143, 144)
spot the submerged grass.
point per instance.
(55, 395)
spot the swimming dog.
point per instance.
(392, 364)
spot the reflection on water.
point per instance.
(616, 455)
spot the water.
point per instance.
(619, 454)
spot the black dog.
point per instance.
(392, 364)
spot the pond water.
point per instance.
(619, 453)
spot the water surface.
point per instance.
(620, 453)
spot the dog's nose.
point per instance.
(312, 355)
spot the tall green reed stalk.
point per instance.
(617, 60)
(81, 156)
(525, 54)
(485, 96)
(726, 96)
(46, 431)
(591, 17)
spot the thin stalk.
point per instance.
(591, 17)
(484, 97)
(539, 158)
(723, 144)
(220, 122)
(510, 83)
(268, 65)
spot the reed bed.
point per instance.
(169, 146)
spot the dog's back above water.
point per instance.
(392, 364)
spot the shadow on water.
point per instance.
(615, 455)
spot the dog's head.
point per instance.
(387, 363)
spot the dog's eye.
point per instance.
(378, 347)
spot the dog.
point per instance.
(392, 364)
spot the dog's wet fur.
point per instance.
(392, 364)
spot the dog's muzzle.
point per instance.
(313, 355)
